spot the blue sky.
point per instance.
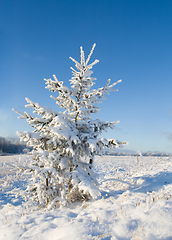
(134, 43)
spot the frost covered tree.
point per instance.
(65, 143)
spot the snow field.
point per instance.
(136, 203)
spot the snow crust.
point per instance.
(135, 203)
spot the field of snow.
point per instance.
(136, 203)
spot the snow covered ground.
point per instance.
(136, 203)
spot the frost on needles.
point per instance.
(65, 144)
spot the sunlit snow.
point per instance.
(135, 203)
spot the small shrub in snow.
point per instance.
(64, 144)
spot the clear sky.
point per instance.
(134, 43)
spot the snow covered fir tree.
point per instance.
(65, 143)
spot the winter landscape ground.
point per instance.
(136, 203)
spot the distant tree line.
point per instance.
(12, 148)
(144, 154)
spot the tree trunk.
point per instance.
(90, 162)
